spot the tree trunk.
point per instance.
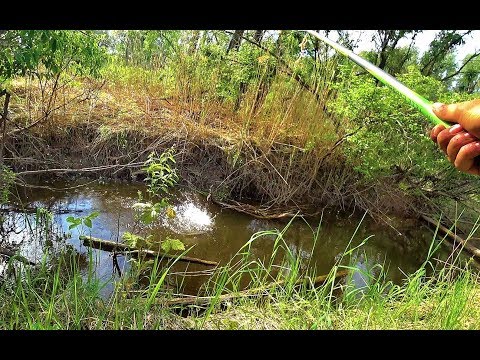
(241, 92)
(193, 42)
(267, 79)
(258, 36)
(236, 40)
(235, 45)
(4, 125)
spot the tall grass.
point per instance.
(200, 88)
(59, 294)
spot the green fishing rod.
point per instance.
(416, 100)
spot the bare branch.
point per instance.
(461, 67)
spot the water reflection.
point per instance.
(191, 218)
(215, 233)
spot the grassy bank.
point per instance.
(62, 292)
(59, 301)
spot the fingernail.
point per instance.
(454, 128)
(437, 106)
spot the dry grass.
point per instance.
(285, 154)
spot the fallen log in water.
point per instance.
(111, 246)
(474, 251)
(205, 300)
(12, 254)
(32, 210)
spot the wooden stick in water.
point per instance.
(465, 244)
(111, 246)
(205, 300)
(12, 254)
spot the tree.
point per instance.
(23, 51)
(466, 62)
(258, 36)
(470, 75)
(146, 48)
(386, 41)
(46, 55)
(444, 43)
(236, 40)
(193, 42)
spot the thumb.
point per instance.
(450, 112)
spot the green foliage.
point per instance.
(160, 174)
(469, 80)
(49, 52)
(43, 215)
(384, 117)
(129, 76)
(137, 241)
(75, 222)
(160, 177)
(172, 244)
(146, 48)
(399, 59)
(148, 212)
(7, 178)
(438, 58)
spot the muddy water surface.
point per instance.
(215, 233)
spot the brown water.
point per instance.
(215, 233)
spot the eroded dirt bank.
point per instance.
(281, 178)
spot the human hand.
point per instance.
(461, 142)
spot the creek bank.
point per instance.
(281, 178)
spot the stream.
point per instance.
(215, 233)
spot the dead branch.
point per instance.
(205, 300)
(111, 246)
(464, 243)
(32, 210)
(12, 254)
(4, 124)
(89, 169)
(259, 212)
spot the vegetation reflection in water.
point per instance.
(216, 234)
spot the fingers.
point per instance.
(447, 112)
(444, 136)
(465, 160)
(457, 142)
(465, 113)
(460, 142)
(435, 131)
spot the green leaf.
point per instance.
(88, 222)
(94, 214)
(172, 244)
